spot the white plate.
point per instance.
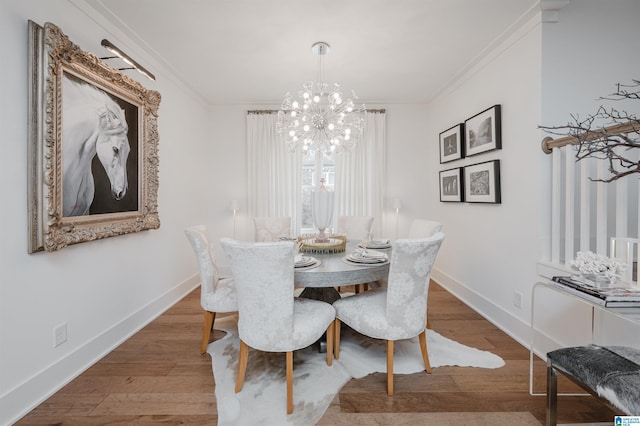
(368, 254)
(306, 261)
(316, 262)
(372, 245)
(360, 259)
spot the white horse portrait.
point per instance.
(92, 124)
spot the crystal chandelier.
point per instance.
(320, 120)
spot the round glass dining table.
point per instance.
(334, 271)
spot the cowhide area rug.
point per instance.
(262, 400)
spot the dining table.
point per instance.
(334, 270)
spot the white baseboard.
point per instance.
(513, 326)
(20, 400)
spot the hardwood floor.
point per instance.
(159, 377)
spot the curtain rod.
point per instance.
(274, 111)
(262, 111)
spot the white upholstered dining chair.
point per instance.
(356, 228)
(272, 228)
(421, 228)
(400, 311)
(216, 294)
(270, 319)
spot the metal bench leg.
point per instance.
(552, 395)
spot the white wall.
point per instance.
(228, 160)
(590, 49)
(104, 290)
(490, 251)
(409, 164)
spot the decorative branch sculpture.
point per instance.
(611, 143)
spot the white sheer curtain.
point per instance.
(360, 174)
(274, 174)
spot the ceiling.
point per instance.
(254, 51)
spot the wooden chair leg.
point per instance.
(209, 318)
(425, 353)
(242, 365)
(428, 322)
(336, 340)
(330, 339)
(361, 288)
(289, 382)
(389, 367)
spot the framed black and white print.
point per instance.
(451, 185)
(483, 131)
(452, 143)
(482, 182)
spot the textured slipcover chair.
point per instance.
(216, 295)
(356, 228)
(270, 319)
(421, 228)
(272, 228)
(400, 311)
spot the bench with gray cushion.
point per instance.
(610, 373)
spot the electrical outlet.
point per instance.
(59, 335)
(517, 299)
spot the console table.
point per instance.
(628, 314)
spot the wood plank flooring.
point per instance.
(159, 377)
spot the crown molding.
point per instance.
(551, 9)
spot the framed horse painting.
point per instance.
(93, 149)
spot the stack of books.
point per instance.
(610, 297)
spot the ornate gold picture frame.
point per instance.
(93, 146)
